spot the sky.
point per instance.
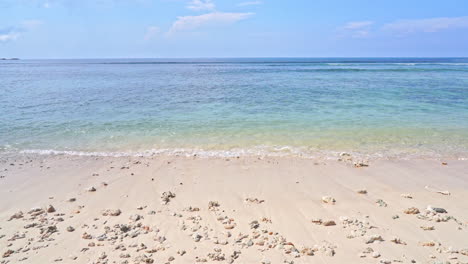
(34, 29)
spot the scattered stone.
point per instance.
(397, 240)
(372, 238)
(167, 196)
(86, 236)
(91, 189)
(71, 200)
(16, 215)
(111, 212)
(254, 224)
(407, 196)
(375, 254)
(395, 217)
(70, 229)
(328, 199)
(437, 191)
(362, 191)
(329, 223)
(254, 200)
(135, 217)
(427, 228)
(428, 244)
(436, 210)
(196, 237)
(8, 253)
(381, 203)
(213, 205)
(317, 221)
(50, 209)
(411, 210)
(360, 164)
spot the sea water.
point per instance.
(310, 107)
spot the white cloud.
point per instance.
(356, 25)
(8, 36)
(201, 5)
(151, 32)
(13, 33)
(426, 25)
(186, 23)
(250, 3)
(356, 29)
(31, 24)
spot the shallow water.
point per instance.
(312, 107)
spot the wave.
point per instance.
(259, 151)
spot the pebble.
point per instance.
(16, 215)
(70, 229)
(372, 239)
(411, 210)
(375, 254)
(111, 212)
(407, 196)
(328, 199)
(91, 189)
(50, 209)
(167, 196)
(427, 228)
(436, 210)
(329, 223)
(381, 203)
(362, 191)
(213, 205)
(196, 237)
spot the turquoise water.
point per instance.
(311, 107)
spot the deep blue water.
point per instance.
(301, 106)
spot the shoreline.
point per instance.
(230, 210)
(254, 152)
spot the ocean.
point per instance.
(308, 107)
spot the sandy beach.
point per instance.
(168, 209)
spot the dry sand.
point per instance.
(241, 210)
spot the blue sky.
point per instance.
(232, 28)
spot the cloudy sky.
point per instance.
(232, 28)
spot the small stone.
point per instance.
(70, 229)
(135, 217)
(71, 200)
(171, 258)
(328, 199)
(436, 210)
(167, 196)
(111, 212)
(411, 210)
(213, 205)
(329, 223)
(362, 191)
(196, 237)
(397, 240)
(91, 189)
(17, 215)
(50, 209)
(317, 221)
(375, 254)
(395, 217)
(381, 203)
(407, 196)
(428, 244)
(427, 228)
(254, 224)
(8, 253)
(372, 239)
